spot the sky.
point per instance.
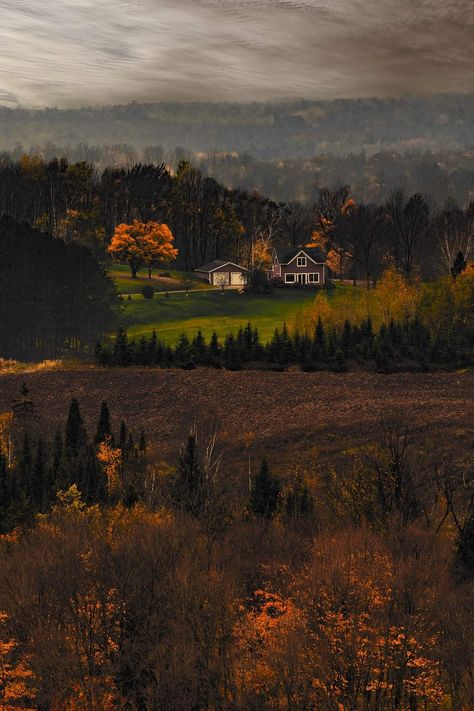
(83, 52)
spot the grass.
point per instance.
(176, 281)
(211, 311)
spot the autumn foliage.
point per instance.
(139, 243)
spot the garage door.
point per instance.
(236, 278)
(221, 278)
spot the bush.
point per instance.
(258, 282)
(164, 274)
(277, 282)
(148, 291)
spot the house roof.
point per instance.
(218, 264)
(286, 254)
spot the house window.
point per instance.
(289, 278)
(313, 278)
(301, 261)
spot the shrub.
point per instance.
(148, 291)
(277, 282)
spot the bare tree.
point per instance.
(454, 233)
(409, 223)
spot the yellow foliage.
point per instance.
(394, 297)
(111, 459)
(261, 253)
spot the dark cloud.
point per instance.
(102, 51)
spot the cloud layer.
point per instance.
(108, 51)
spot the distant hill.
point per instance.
(297, 129)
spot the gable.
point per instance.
(302, 253)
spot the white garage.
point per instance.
(221, 273)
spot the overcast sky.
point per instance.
(75, 52)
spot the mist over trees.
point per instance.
(285, 151)
(264, 130)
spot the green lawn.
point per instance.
(177, 280)
(211, 311)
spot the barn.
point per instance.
(222, 273)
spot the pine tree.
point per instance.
(183, 354)
(75, 435)
(153, 349)
(232, 355)
(104, 429)
(188, 489)
(214, 351)
(199, 349)
(121, 355)
(265, 493)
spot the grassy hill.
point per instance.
(210, 311)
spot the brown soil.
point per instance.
(292, 416)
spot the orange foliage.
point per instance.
(143, 242)
(16, 679)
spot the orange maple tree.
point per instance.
(143, 243)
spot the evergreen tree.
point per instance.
(214, 351)
(188, 488)
(183, 354)
(121, 355)
(104, 429)
(199, 349)
(265, 493)
(75, 435)
(232, 355)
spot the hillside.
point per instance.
(292, 416)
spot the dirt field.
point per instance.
(293, 417)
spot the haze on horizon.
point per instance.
(104, 51)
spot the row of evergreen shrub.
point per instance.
(410, 345)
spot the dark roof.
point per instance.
(211, 266)
(286, 254)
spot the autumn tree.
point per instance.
(143, 243)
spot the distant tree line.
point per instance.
(209, 220)
(55, 298)
(405, 345)
(302, 128)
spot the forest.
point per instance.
(196, 585)
(273, 130)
